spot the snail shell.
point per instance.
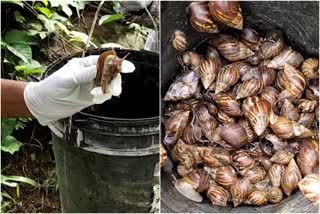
(272, 45)
(178, 40)
(258, 198)
(294, 83)
(227, 77)
(287, 56)
(258, 115)
(249, 88)
(240, 191)
(274, 195)
(308, 157)
(282, 157)
(251, 38)
(217, 194)
(310, 187)
(307, 106)
(174, 127)
(208, 70)
(183, 87)
(201, 19)
(290, 178)
(289, 111)
(230, 48)
(228, 104)
(227, 12)
(287, 129)
(275, 173)
(310, 68)
(306, 119)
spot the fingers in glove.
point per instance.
(86, 61)
(85, 75)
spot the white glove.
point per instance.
(65, 92)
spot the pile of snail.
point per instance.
(241, 120)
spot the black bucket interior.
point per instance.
(140, 89)
(299, 21)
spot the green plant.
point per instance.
(11, 145)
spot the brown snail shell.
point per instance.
(228, 104)
(225, 176)
(306, 119)
(256, 174)
(270, 94)
(275, 173)
(230, 48)
(242, 160)
(254, 59)
(307, 106)
(289, 111)
(268, 75)
(217, 194)
(311, 93)
(265, 162)
(251, 38)
(178, 40)
(182, 170)
(108, 67)
(247, 72)
(240, 191)
(192, 133)
(183, 87)
(263, 185)
(234, 134)
(258, 115)
(310, 187)
(189, 59)
(308, 157)
(174, 127)
(212, 53)
(224, 119)
(280, 80)
(257, 197)
(182, 154)
(206, 121)
(249, 88)
(290, 178)
(287, 56)
(227, 12)
(287, 129)
(294, 83)
(282, 157)
(310, 68)
(272, 45)
(208, 70)
(201, 19)
(246, 125)
(227, 77)
(274, 195)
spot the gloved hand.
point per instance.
(65, 92)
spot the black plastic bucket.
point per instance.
(107, 159)
(299, 22)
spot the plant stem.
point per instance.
(92, 27)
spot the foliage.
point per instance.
(106, 19)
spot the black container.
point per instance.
(107, 159)
(299, 22)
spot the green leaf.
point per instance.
(2, 43)
(7, 127)
(18, 37)
(10, 144)
(45, 2)
(18, 17)
(17, 2)
(31, 68)
(110, 18)
(77, 36)
(6, 195)
(43, 10)
(22, 51)
(20, 179)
